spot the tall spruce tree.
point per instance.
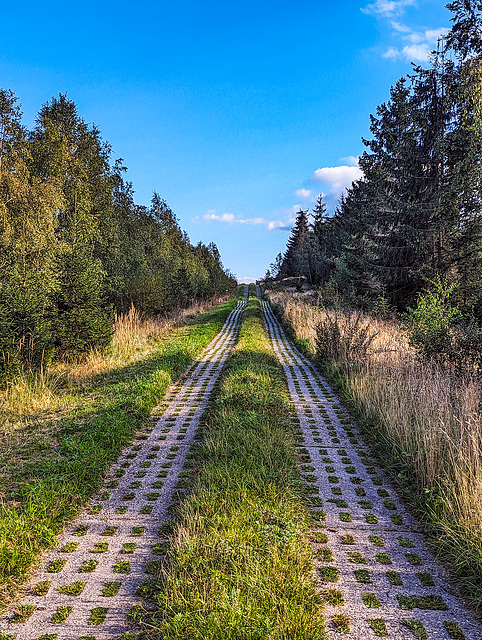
(66, 149)
(321, 243)
(297, 259)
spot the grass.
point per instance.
(357, 557)
(111, 589)
(341, 623)
(60, 435)
(122, 566)
(431, 602)
(378, 627)
(74, 589)
(383, 558)
(334, 597)
(23, 613)
(454, 630)
(426, 579)
(88, 566)
(241, 566)
(405, 542)
(97, 615)
(363, 576)
(370, 600)
(61, 615)
(401, 403)
(394, 578)
(416, 627)
(324, 554)
(41, 588)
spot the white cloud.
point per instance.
(387, 8)
(351, 161)
(401, 28)
(225, 217)
(391, 53)
(422, 43)
(274, 225)
(305, 194)
(413, 44)
(417, 52)
(246, 280)
(270, 225)
(337, 178)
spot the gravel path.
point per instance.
(375, 571)
(87, 585)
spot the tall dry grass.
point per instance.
(37, 394)
(431, 416)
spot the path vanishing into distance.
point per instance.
(372, 566)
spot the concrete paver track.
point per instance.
(373, 551)
(87, 585)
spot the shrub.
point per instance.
(430, 323)
(344, 336)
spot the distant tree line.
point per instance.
(75, 248)
(416, 214)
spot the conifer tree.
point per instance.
(65, 149)
(297, 258)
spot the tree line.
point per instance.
(416, 214)
(74, 246)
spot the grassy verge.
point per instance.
(240, 564)
(52, 462)
(424, 425)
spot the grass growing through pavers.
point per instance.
(51, 466)
(241, 566)
(399, 404)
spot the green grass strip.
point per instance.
(54, 482)
(242, 567)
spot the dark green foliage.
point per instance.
(416, 216)
(454, 630)
(431, 602)
(74, 247)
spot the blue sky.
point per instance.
(236, 113)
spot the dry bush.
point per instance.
(303, 313)
(430, 414)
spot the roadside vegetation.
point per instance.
(421, 415)
(240, 566)
(74, 246)
(62, 428)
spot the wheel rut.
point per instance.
(376, 573)
(87, 585)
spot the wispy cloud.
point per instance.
(412, 44)
(271, 225)
(388, 8)
(420, 43)
(231, 219)
(304, 194)
(351, 161)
